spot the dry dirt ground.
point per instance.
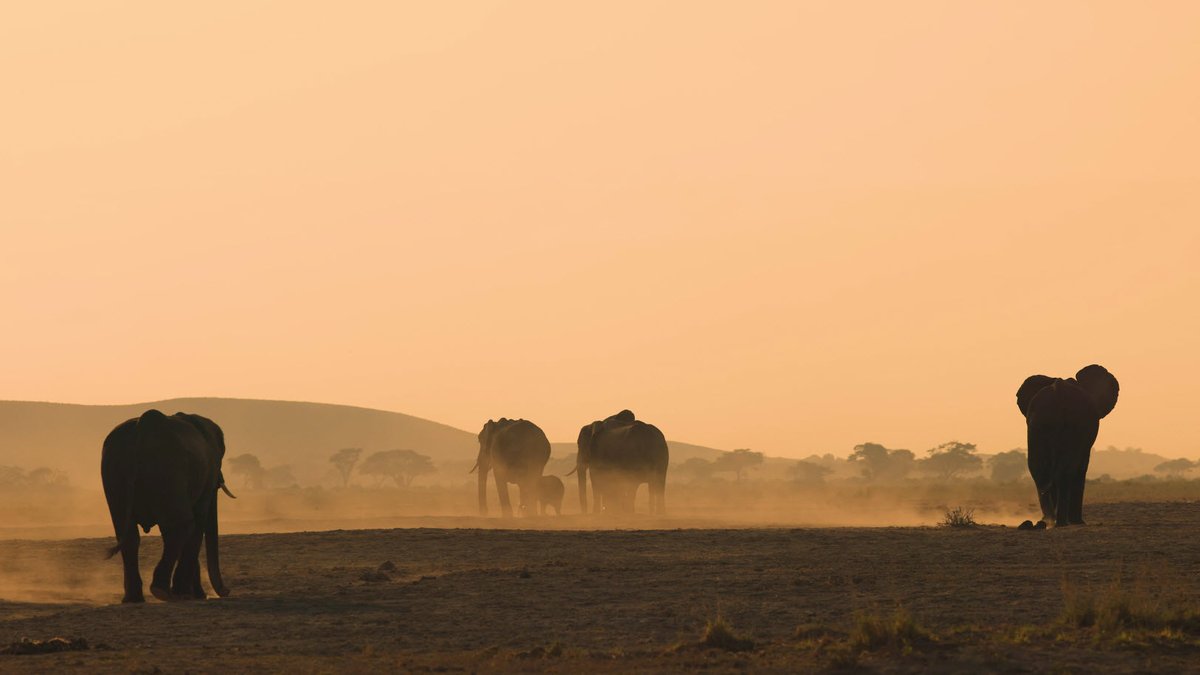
(984, 599)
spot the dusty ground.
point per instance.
(987, 598)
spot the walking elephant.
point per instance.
(165, 471)
(1062, 417)
(515, 451)
(622, 453)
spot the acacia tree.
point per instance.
(951, 460)
(402, 466)
(1010, 466)
(344, 460)
(808, 473)
(882, 464)
(1175, 468)
(737, 461)
(279, 477)
(696, 468)
(248, 467)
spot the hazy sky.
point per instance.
(786, 226)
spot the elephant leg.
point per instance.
(1046, 502)
(1076, 512)
(186, 583)
(658, 494)
(502, 492)
(129, 560)
(483, 506)
(597, 494)
(174, 537)
(1062, 501)
(535, 487)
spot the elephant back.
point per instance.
(521, 444)
(1101, 387)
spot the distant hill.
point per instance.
(68, 437)
(304, 435)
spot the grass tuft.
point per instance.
(959, 516)
(1124, 614)
(718, 634)
(898, 632)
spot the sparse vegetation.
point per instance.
(737, 462)
(1116, 611)
(344, 460)
(959, 516)
(719, 634)
(898, 632)
(402, 466)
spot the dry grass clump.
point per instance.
(718, 634)
(897, 632)
(1128, 615)
(958, 516)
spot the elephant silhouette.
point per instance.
(1062, 417)
(165, 471)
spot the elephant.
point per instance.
(516, 451)
(550, 493)
(621, 453)
(1062, 417)
(165, 471)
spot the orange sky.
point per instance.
(787, 226)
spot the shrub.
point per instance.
(959, 517)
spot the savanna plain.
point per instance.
(459, 593)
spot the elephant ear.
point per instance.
(1101, 387)
(587, 438)
(209, 429)
(1029, 388)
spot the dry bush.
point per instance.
(958, 516)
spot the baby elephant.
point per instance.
(550, 493)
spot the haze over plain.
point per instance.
(789, 228)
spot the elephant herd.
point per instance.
(166, 471)
(620, 453)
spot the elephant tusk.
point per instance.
(572, 471)
(226, 491)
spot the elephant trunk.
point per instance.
(583, 500)
(483, 472)
(211, 549)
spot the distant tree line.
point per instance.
(399, 466)
(15, 476)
